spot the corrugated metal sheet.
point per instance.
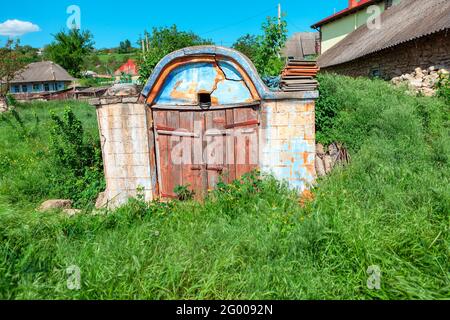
(301, 44)
(41, 72)
(407, 21)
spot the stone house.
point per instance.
(414, 34)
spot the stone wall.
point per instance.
(123, 124)
(432, 50)
(288, 141)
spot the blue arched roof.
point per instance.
(244, 62)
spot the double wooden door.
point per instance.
(198, 148)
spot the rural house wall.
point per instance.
(432, 50)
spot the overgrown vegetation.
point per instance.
(265, 50)
(252, 239)
(69, 49)
(45, 154)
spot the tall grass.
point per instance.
(253, 240)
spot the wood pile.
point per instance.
(299, 75)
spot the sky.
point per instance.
(34, 22)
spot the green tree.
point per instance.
(162, 41)
(125, 47)
(248, 45)
(70, 50)
(268, 59)
(11, 61)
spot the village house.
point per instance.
(413, 34)
(336, 27)
(40, 77)
(129, 69)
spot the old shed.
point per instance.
(204, 115)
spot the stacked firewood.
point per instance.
(299, 75)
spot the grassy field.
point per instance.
(251, 240)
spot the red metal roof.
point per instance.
(129, 67)
(361, 5)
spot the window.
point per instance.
(204, 100)
(375, 73)
(24, 88)
(16, 89)
(36, 88)
(46, 87)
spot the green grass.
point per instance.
(252, 240)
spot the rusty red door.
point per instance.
(197, 148)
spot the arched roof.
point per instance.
(234, 55)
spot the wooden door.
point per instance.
(199, 148)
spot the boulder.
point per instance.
(3, 105)
(328, 163)
(428, 92)
(102, 201)
(122, 90)
(55, 205)
(320, 149)
(418, 73)
(320, 167)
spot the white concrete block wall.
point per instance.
(126, 151)
(288, 147)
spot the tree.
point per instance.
(161, 42)
(268, 59)
(70, 49)
(264, 50)
(248, 45)
(11, 62)
(125, 47)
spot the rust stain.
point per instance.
(186, 60)
(184, 95)
(305, 158)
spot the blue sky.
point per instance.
(114, 21)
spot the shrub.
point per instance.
(77, 160)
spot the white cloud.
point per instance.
(13, 28)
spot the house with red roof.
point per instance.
(338, 26)
(129, 68)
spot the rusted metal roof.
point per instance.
(129, 67)
(407, 21)
(361, 5)
(301, 44)
(45, 71)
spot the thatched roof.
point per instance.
(411, 19)
(45, 71)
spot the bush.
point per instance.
(43, 158)
(77, 160)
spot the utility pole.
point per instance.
(279, 14)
